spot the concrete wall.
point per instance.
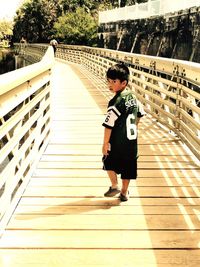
(175, 35)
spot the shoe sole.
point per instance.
(112, 194)
(123, 198)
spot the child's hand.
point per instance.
(106, 149)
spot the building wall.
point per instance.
(175, 35)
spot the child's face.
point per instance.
(116, 85)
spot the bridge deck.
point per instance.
(63, 219)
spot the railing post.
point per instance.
(177, 100)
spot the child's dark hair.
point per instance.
(118, 71)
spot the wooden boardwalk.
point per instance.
(63, 219)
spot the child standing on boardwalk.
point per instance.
(120, 133)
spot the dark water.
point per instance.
(7, 60)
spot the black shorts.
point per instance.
(126, 167)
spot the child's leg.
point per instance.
(125, 184)
(113, 178)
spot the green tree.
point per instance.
(88, 5)
(35, 20)
(78, 27)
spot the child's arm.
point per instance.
(137, 120)
(140, 113)
(106, 144)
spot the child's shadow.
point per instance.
(86, 205)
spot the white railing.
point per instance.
(31, 53)
(168, 88)
(24, 128)
(146, 10)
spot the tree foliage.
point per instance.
(35, 20)
(89, 5)
(77, 27)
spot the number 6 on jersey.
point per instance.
(131, 127)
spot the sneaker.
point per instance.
(123, 197)
(111, 192)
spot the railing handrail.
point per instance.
(14, 78)
(24, 128)
(190, 69)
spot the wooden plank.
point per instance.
(102, 207)
(100, 239)
(76, 110)
(79, 221)
(99, 257)
(168, 174)
(163, 158)
(107, 202)
(97, 191)
(69, 116)
(98, 164)
(65, 138)
(84, 140)
(91, 181)
(65, 125)
(143, 149)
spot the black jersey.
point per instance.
(122, 113)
